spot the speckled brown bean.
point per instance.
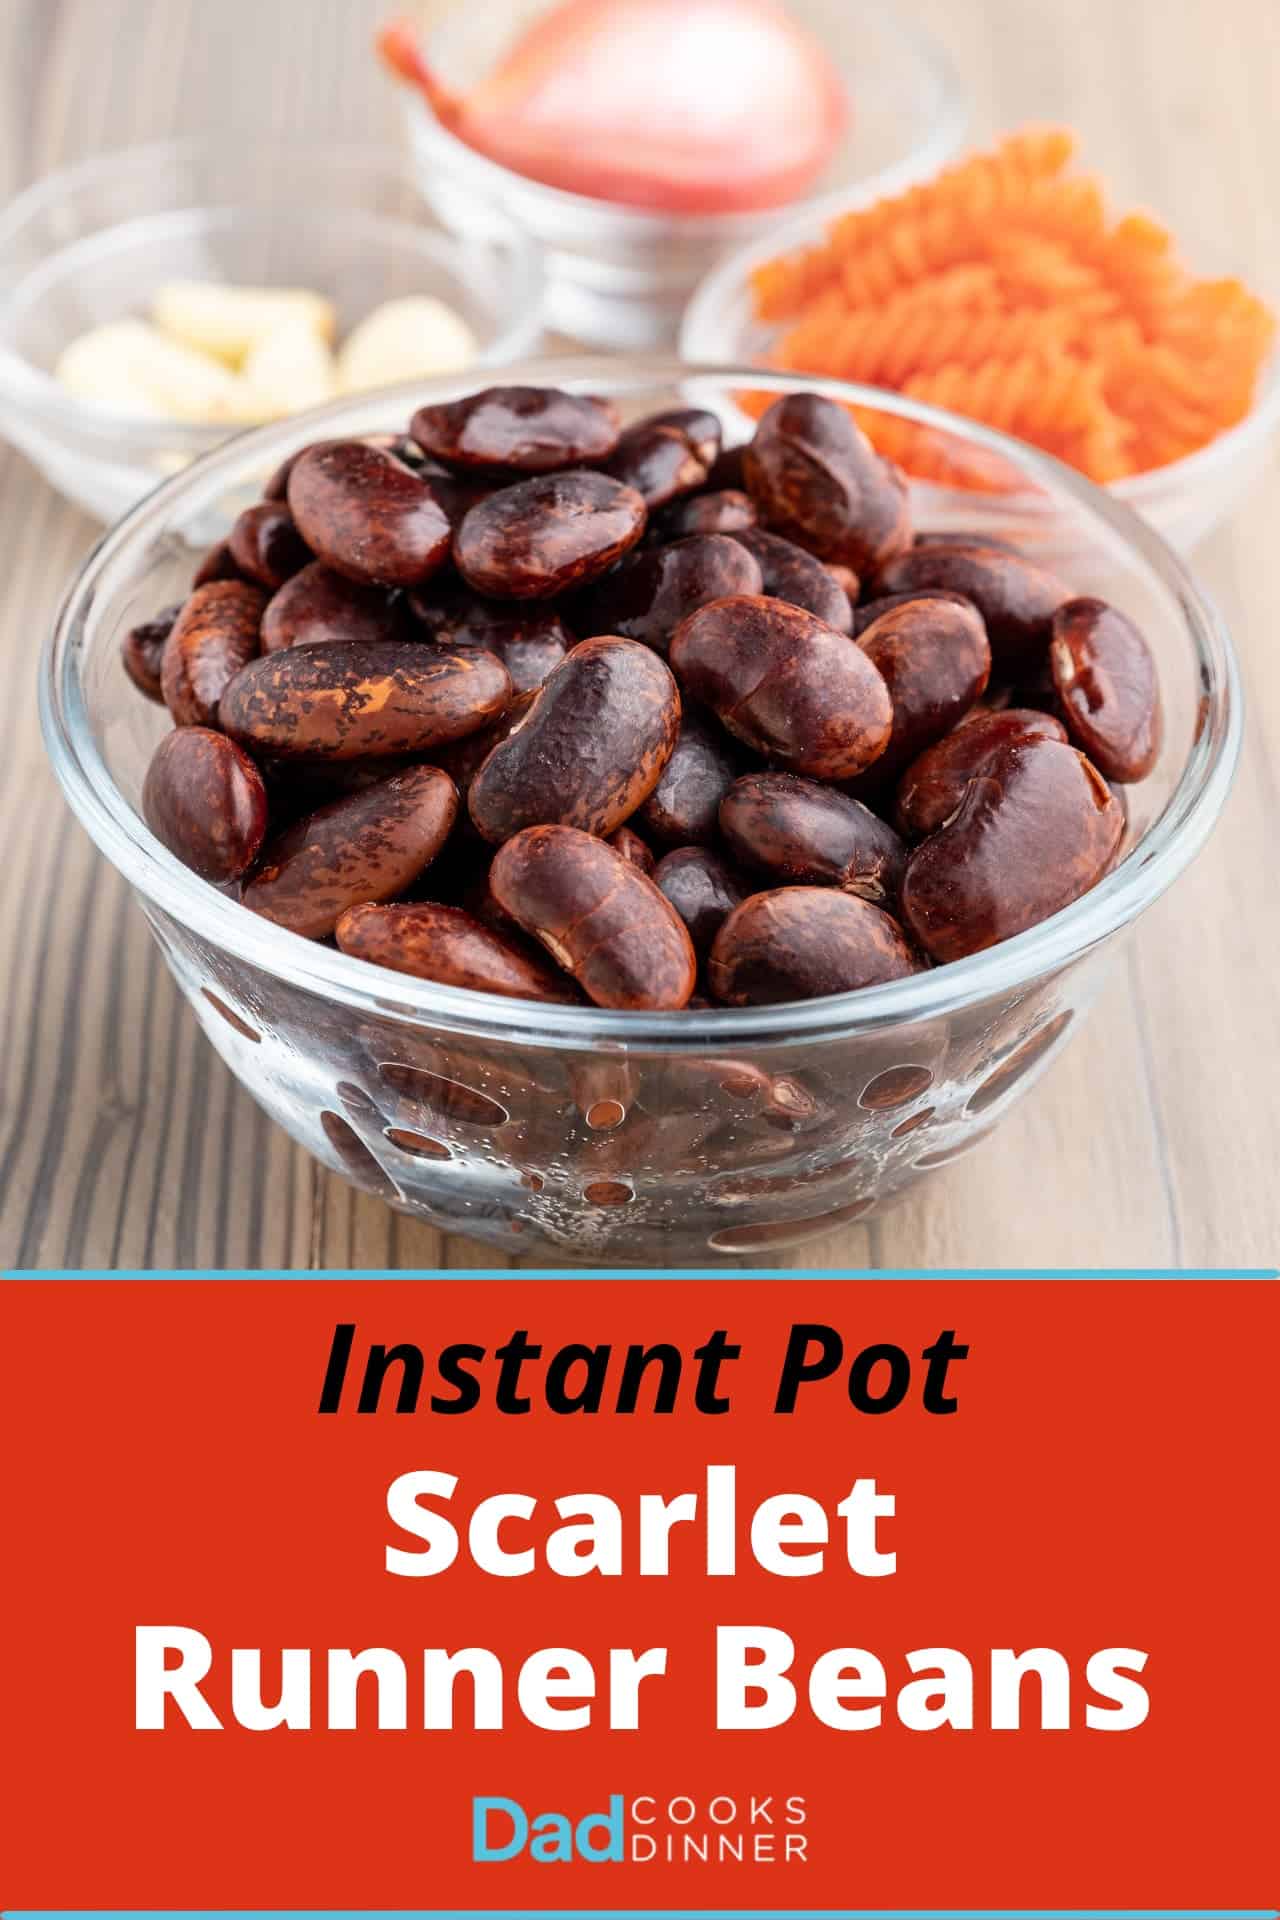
(871, 610)
(799, 943)
(816, 478)
(1105, 681)
(367, 847)
(652, 592)
(443, 943)
(207, 802)
(212, 639)
(530, 641)
(524, 429)
(356, 699)
(633, 849)
(600, 918)
(725, 511)
(935, 661)
(801, 831)
(266, 546)
(684, 808)
(318, 606)
(142, 651)
(1017, 600)
(788, 573)
(784, 683)
(463, 759)
(1034, 831)
(658, 462)
(364, 514)
(933, 786)
(545, 536)
(217, 564)
(591, 749)
(700, 427)
(703, 889)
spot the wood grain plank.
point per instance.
(125, 1140)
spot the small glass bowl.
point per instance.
(1184, 501)
(92, 243)
(666, 1139)
(620, 276)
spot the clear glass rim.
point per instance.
(35, 391)
(1148, 869)
(946, 130)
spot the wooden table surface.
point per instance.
(124, 1141)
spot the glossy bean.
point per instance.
(217, 564)
(658, 462)
(318, 606)
(633, 849)
(590, 750)
(542, 537)
(600, 918)
(1108, 694)
(786, 684)
(935, 660)
(463, 759)
(523, 429)
(933, 786)
(206, 800)
(266, 546)
(446, 944)
(803, 832)
(726, 511)
(703, 889)
(648, 596)
(366, 847)
(788, 573)
(366, 515)
(142, 651)
(871, 610)
(1035, 830)
(816, 478)
(700, 427)
(684, 808)
(800, 943)
(356, 699)
(1017, 600)
(212, 639)
(530, 641)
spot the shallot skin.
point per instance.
(676, 106)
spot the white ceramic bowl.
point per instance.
(620, 276)
(93, 242)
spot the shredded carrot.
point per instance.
(1003, 290)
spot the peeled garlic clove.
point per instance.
(129, 358)
(287, 370)
(228, 322)
(405, 339)
(686, 106)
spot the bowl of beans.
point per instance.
(617, 843)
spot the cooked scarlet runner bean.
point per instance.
(725, 511)
(871, 610)
(216, 565)
(590, 750)
(214, 636)
(648, 596)
(530, 641)
(787, 572)
(816, 478)
(526, 429)
(700, 427)
(684, 808)
(633, 849)
(703, 889)
(1105, 680)
(364, 514)
(1017, 600)
(1036, 829)
(658, 462)
(207, 801)
(358, 698)
(544, 536)
(142, 651)
(799, 943)
(786, 684)
(599, 918)
(463, 759)
(935, 661)
(445, 944)
(266, 546)
(933, 786)
(365, 847)
(812, 835)
(318, 606)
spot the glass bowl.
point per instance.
(666, 1139)
(620, 276)
(93, 242)
(1185, 500)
